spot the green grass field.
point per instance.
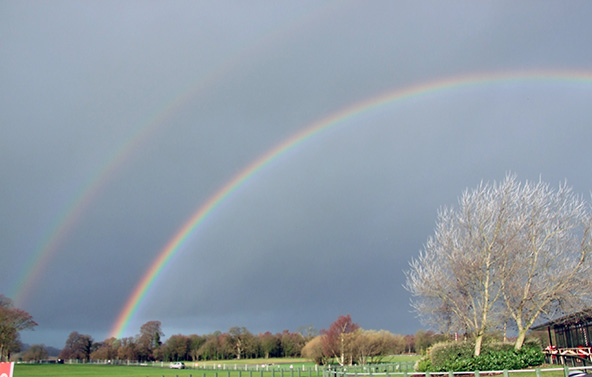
(401, 358)
(281, 368)
(232, 369)
(81, 370)
(282, 361)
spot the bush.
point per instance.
(424, 364)
(458, 357)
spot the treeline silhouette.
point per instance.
(239, 343)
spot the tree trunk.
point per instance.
(478, 342)
(342, 357)
(520, 339)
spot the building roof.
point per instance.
(583, 316)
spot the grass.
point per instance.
(83, 370)
(287, 361)
(401, 358)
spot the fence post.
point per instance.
(451, 374)
(538, 372)
(477, 374)
(565, 370)
(506, 373)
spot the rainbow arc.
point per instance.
(307, 133)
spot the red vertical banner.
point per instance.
(6, 369)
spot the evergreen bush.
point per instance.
(458, 357)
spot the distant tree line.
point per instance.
(237, 343)
(343, 343)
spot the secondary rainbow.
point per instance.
(73, 210)
(308, 132)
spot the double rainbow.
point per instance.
(71, 213)
(180, 238)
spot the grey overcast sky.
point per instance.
(121, 119)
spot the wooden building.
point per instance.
(570, 338)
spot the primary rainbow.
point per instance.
(308, 132)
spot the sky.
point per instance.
(317, 138)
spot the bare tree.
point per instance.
(453, 280)
(240, 339)
(78, 346)
(270, 344)
(314, 350)
(339, 339)
(549, 265)
(35, 353)
(149, 340)
(372, 346)
(12, 321)
(127, 349)
(176, 348)
(106, 350)
(520, 244)
(195, 342)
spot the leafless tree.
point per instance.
(371, 346)
(519, 244)
(149, 340)
(338, 340)
(549, 265)
(314, 350)
(35, 353)
(12, 321)
(453, 280)
(78, 346)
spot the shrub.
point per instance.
(459, 357)
(443, 353)
(424, 364)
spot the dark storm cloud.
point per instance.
(326, 229)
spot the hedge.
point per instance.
(458, 357)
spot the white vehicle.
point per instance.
(177, 366)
